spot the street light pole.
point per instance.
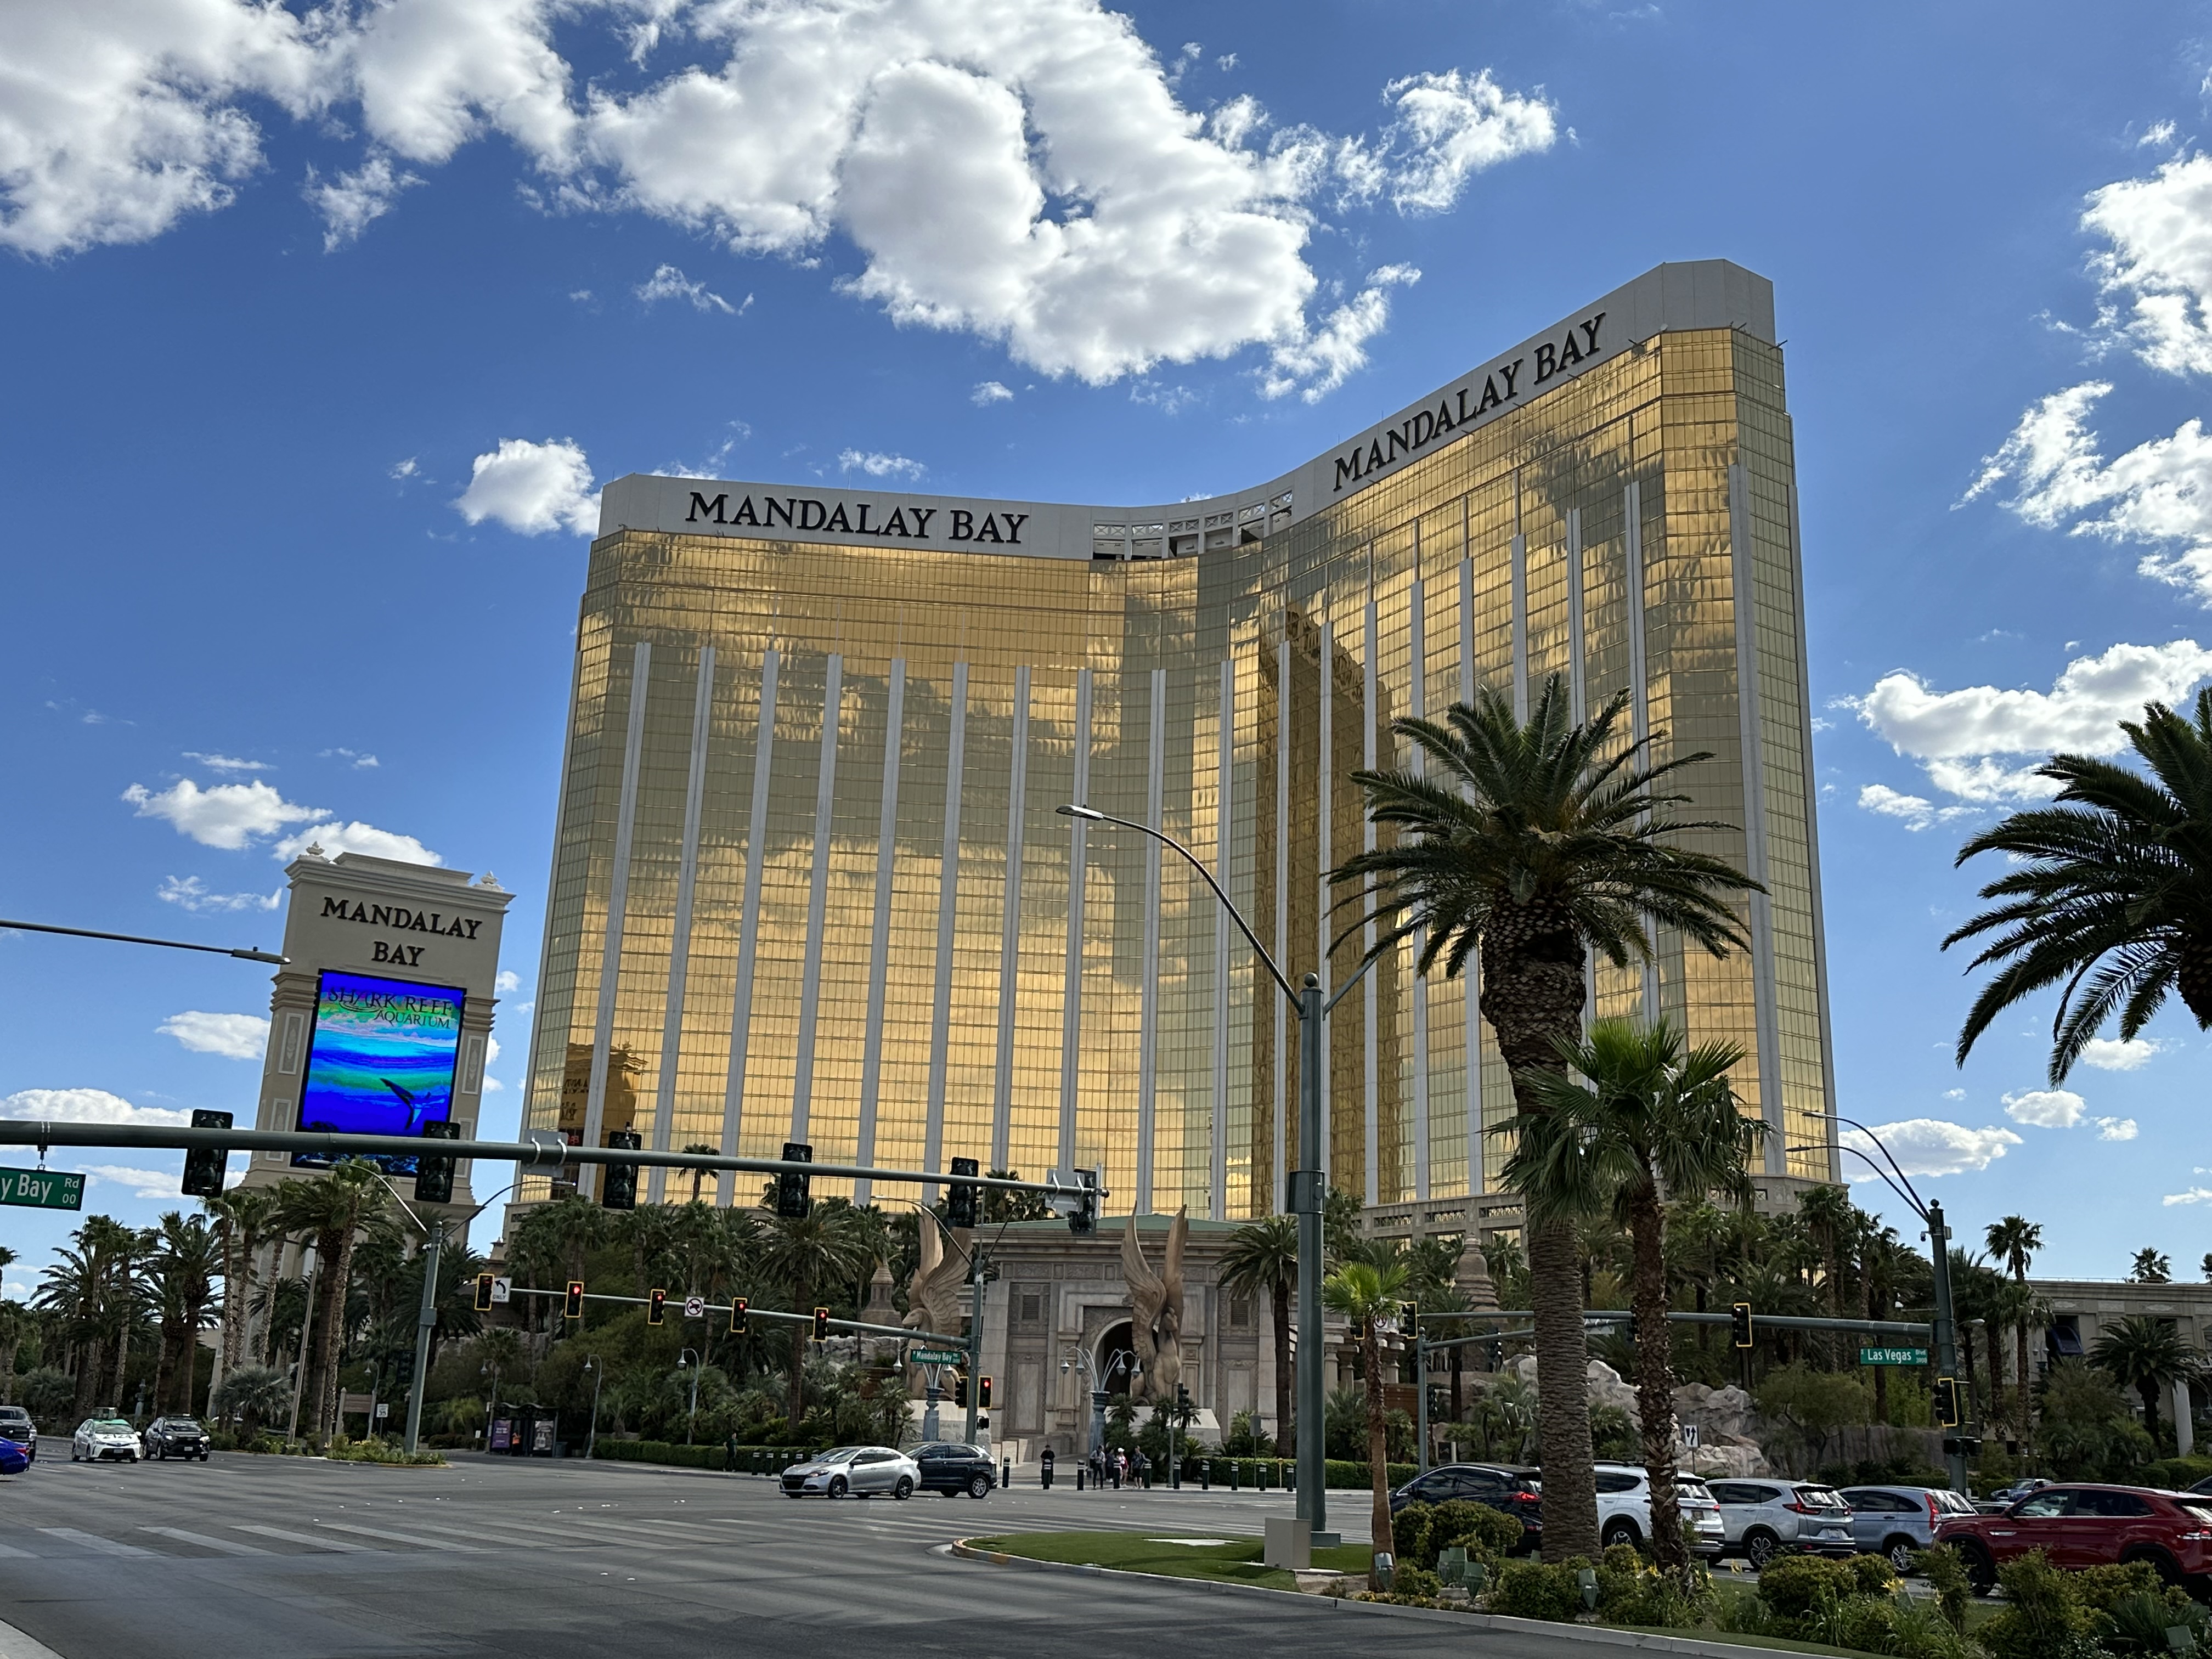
(598, 1375)
(426, 1320)
(695, 1368)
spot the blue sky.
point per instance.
(324, 328)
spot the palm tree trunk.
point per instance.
(1279, 1298)
(1563, 1424)
(1378, 1447)
(1654, 1380)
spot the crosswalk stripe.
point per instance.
(399, 1537)
(206, 1542)
(488, 1535)
(306, 1538)
(93, 1540)
(10, 1550)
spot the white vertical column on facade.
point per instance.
(1070, 1009)
(741, 1017)
(1639, 673)
(1322, 838)
(1577, 661)
(1471, 974)
(1218, 1141)
(818, 897)
(679, 946)
(1743, 582)
(1010, 928)
(1417, 704)
(603, 1023)
(879, 937)
(1520, 602)
(1276, 1174)
(948, 914)
(1148, 989)
(1371, 1049)
(1813, 841)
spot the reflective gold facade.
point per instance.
(809, 883)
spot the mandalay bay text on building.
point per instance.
(810, 884)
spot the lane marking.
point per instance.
(11, 1551)
(306, 1538)
(206, 1542)
(93, 1540)
(399, 1537)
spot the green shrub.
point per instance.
(1539, 1589)
(2098, 1588)
(1919, 1630)
(1795, 1585)
(1873, 1574)
(1860, 1621)
(2137, 1622)
(1487, 1535)
(1409, 1535)
(2043, 1618)
(1415, 1585)
(1946, 1574)
(2175, 1473)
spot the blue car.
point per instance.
(14, 1458)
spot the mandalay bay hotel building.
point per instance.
(809, 883)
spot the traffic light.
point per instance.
(739, 1325)
(206, 1167)
(1084, 1218)
(983, 1393)
(618, 1184)
(572, 1306)
(1739, 1325)
(959, 1388)
(792, 1200)
(433, 1175)
(960, 1197)
(822, 1324)
(656, 1305)
(1184, 1409)
(1947, 1402)
(1409, 1318)
(483, 1293)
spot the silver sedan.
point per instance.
(853, 1472)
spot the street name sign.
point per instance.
(1892, 1356)
(938, 1356)
(42, 1190)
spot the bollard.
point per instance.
(1078, 1477)
(1006, 1474)
(1233, 1468)
(1206, 1474)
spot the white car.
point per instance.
(853, 1472)
(98, 1438)
(1624, 1508)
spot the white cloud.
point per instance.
(1931, 1146)
(359, 760)
(1955, 734)
(508, 980)
(2159, 266)
(234, 1037)
(226, 763)
(878, 466)
(2157, 495)
(89, 1106)
(2046, 1109)
(492, 1085)
(1914, 812)
(227, 816)
(355, 837)
(667, 283)
(1315, 364)
(406, 469)
(533, 488)
(143, 1183)
(989, 391)
(2115, 1129)
(190, 893)
(1453, 125)
(348, 202)
(2112, 1054)
(2157, 136)
(2194, 1195)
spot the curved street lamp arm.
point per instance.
(1881, 1172)
(1919, 1205)
(1358, 974)
(1093, 815)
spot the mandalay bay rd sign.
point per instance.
(42, 1190)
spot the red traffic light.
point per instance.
(572, 1306)
(656, 1305)
(983, 1392)
(739, 1325)
(822, 1324)
(484, 1292)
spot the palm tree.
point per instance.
(2015, 1241)
(1263, 1255)
(243, 1216)
(2205, 1266)
(1366, 1295)
(186, 1261)
(700, 1149)
(13, 1318)
(333, 1209)
(805, 1252)
(2151, 1267)
(552, 1238)
(89, 1291)
(1528, 847)
(2110, 890)
(253, 1393)
(1652, 1118)
(2145, 1354)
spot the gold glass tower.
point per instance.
(808, 883)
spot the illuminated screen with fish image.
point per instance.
(381, 1062)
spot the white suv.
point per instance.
(1624, 1508)
(1769, 1518)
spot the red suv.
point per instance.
(2087, 1527)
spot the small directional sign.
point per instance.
(1892, 1356)
(502, 1290)
(42, 1190)
(938, 1356)
(695, 1307)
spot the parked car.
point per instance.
(1763, 1518)
(1517, 1492)
(1899, 1522)
(2087, 1526)
(950, 1466)
(2005, 1497)
(16, 1428)
(853, 1472)
(1624, 1508)
(175, 1437)
(99, 1438)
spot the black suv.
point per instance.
(16, 1424)
(949, 1466)
(1517, 1492)
(175, 1437)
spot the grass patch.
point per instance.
(1237, 1562)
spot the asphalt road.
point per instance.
(265, 1558)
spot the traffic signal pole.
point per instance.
(426, 1320)
(1308, 1193)
(975, 1337)
(1946, 1334)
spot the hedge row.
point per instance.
(752, 1460)
(2175, 1473)
(1277, 1474)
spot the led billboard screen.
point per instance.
(381, 1060)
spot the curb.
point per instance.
(1598, 1635)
